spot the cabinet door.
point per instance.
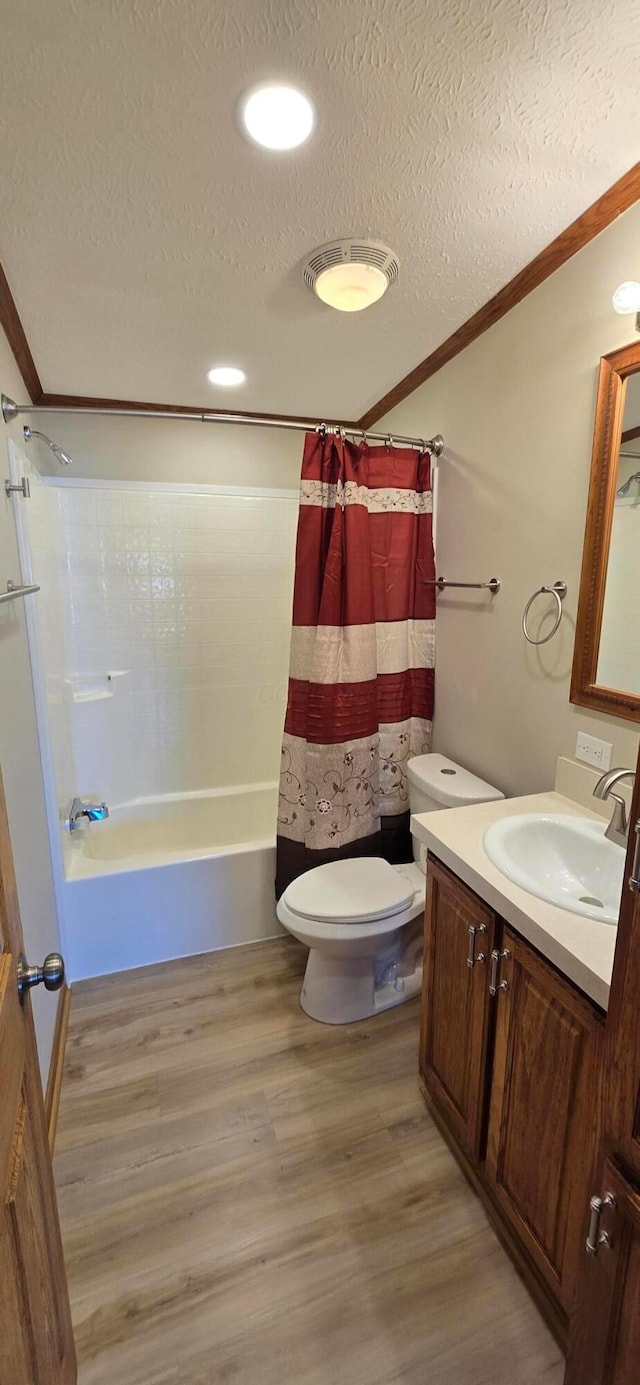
(459, 937)
(542, 1119)
(605, 1345)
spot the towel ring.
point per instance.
(559, 590)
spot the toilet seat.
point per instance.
(360, 890)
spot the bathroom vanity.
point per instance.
(513, 1011)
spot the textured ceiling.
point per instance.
(145, 239)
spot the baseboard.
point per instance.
(54, 1079)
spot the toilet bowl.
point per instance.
(362, 918)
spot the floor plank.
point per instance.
(247, 1196)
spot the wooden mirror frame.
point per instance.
(607, 436)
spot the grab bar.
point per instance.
(441, 584)
(13, 592)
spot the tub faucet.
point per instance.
(95, 812)
(618, 829)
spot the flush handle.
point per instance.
(634, 878)
(474, 957)
(597, 1238)
(496, 958)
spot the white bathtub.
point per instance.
(170, 877)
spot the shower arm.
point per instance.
(59, 453)
(626, 487)
(435, 445)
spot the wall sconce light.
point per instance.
(626, 299)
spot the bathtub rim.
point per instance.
(91, 867)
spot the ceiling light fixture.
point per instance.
(227, 375)
(278, 117)
(351, 274)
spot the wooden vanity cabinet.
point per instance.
(460, 934)
(605, 1337)
(512, 1078)
(605, 1349)
(543, 1109)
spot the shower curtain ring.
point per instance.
(321, 428)
(390, 442)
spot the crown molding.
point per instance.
(597, 217)
(17, 339)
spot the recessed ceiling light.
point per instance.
(278, 117)
(226, 375)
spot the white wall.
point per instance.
(516, 409)
(131, 449)
(19, 754)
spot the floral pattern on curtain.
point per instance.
(361, 677)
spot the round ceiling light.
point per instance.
(278, 117)
(626, 298)
(351, 274)
(226, 375)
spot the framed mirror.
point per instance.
(606, 659)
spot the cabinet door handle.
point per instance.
(496, 958)
(634, 878)
(472, 957)
(596, 1237)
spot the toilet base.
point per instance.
(342, 990)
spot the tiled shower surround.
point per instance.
(165, 620)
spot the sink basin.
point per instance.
(565, 860)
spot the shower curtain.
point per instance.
(361, 675)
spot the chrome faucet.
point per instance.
(94, 812)
(618, 829)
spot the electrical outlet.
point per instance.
(593, 752)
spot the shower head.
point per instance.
(60, 455)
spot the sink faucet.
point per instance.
(618, 829)
(95, 812)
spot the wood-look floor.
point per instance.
(250, 1198)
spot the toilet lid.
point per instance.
(357, 891)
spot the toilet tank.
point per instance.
(436, 783)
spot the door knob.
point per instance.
(50, 974)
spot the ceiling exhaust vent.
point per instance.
(351, 274)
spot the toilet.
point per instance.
(362, 918)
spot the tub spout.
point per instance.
(94, 812)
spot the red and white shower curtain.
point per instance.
(361, 672)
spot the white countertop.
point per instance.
(580, 948)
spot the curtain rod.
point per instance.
(11, 410)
